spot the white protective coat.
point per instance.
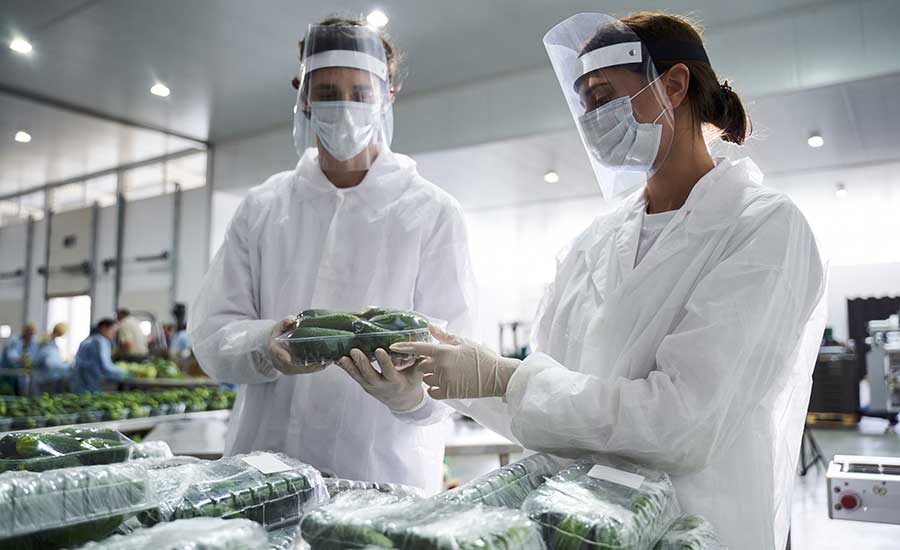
(698, 361)
(297, 242)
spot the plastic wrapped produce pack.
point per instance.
(605, 503)
(690, 533)
(285, 538)
(321, 337)
(190, 534)
(270, 489)
(507, 486)
(373, 519)
(337, 486)
(70, 447)
(66, 507)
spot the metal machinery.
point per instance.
(864, 488)
(883, 364)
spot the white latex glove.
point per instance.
(457, 368)
(400, 390)
(281, 358)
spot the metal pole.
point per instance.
(29, 261)
(48, 225)
(120, 236)
(95, 246)
(210, 183)
(176, 245)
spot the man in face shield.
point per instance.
(353, 225)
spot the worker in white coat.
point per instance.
(681, 329)
(353, 225)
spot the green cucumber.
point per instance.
(338, 321)
(400, 321)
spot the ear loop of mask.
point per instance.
(651, 83)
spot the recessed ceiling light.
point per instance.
(551, 177)
(160, 89)
(815, 141)
(377, 19)
(20, 45)
(22, 136)
(841, 191)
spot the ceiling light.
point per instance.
(160, 89)
(20, 45)
(551, 177)
(377, 19)
(22, 137)
(815, 141)
(841, 191)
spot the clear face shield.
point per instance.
(344, 99)
(615, 96)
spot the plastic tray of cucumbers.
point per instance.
(604, 504)
(373, 519)
(241, 486)
(72, 447)
(321, 336)
(62, 508)
(508, 486)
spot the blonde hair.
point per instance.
(59, 329)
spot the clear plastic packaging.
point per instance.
(321, 337)
(151, 450)
(286, 538)
(66, 507)
(324, 350)
(373, 519)
(336, 486)
(590, 508)
(236, 487)
(190, 534)
(66, 448)
(690, 533)
(507, 486)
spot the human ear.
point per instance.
(676, 82)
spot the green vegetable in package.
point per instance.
(191, 534)
(509, 486)
(234, 487)
(62, 508)
(374, 519)
(324, 336)
(617, 505)
(690, 533)
(64, 449)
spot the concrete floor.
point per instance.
(811, 527)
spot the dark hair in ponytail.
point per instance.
(711, 102)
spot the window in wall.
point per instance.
(19, 209)
(74, 311)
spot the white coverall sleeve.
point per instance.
(735, 344)
(445, 290)
(230, 340)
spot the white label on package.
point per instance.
(267, 464)
(606, 473)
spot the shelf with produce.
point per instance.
(131, 425)
(69, 409)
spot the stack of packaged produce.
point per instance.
(191, 534)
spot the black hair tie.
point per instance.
(726, 87)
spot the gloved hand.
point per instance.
(457, 368)
(400, 390)
(280, 357)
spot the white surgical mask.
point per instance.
(345, 128)
(618, 141)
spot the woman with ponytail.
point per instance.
(682, 328)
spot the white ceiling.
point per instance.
(229, 63)
(860, 122)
